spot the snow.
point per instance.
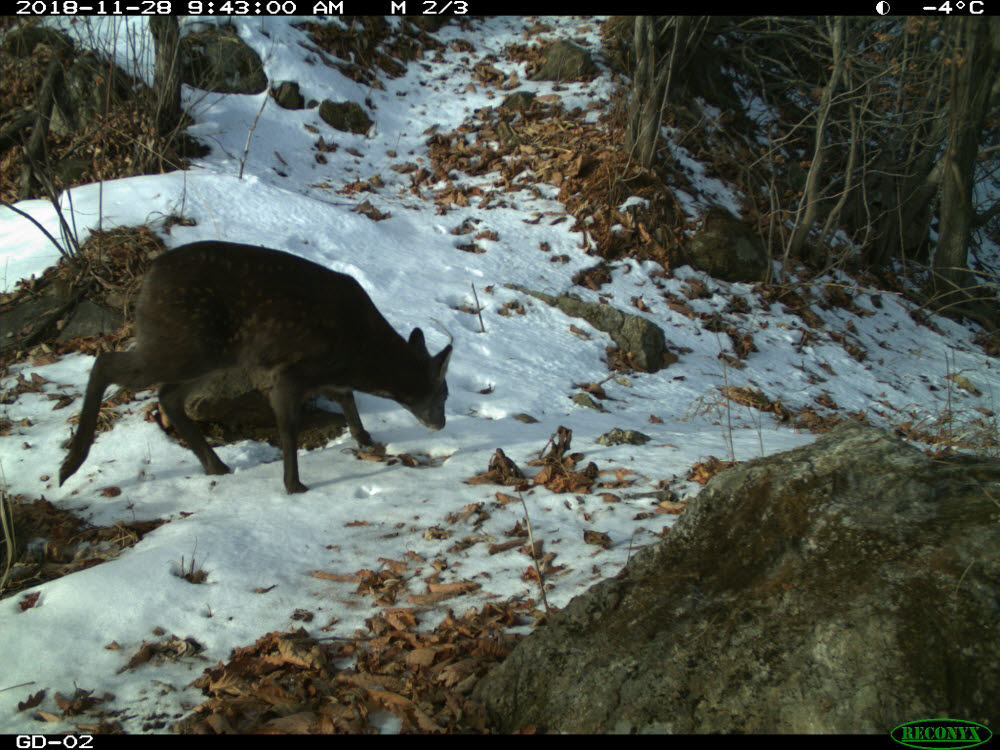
(248, 534)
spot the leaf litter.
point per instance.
(290, 682)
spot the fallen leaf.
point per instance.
(598, 538)
(31, 701)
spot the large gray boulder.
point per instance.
(233, 405)
(564, 61)
(216, 59)
(846, 586)
(727, 248)
(350, 117)
(640, 339)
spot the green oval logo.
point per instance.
(931, 734)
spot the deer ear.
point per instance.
(417, 342)
(440, 362)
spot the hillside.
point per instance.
(445, 227)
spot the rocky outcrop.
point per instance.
(22, 40)
(846, 586)
(349, 117)
(233, 405)
(564, 61)
(641, 339)
(90, 85)
(216, 59)
(727, 248)
(288, 96)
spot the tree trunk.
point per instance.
(643, 101)
(973, 73)
(34, 152)
(166, 74)
(809, 204)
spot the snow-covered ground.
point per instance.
(250, 536)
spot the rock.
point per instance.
(89, 85)
(843, 587)
(429, 23)
(519, 100)
(90, 319)
(23, 319)
(346, 116)
(642, 339)
(56, 313)
(21, 42)
(288, 96)
(564, 61)
(727, 248)
(582, 399)
(216, 59)
(232, 397)
(618, 436)
(233, 405)
(72, 169)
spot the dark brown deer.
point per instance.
(209, 306)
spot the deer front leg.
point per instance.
(358, 432)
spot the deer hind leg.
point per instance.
(172, 397)
(286, 401)
(123, 368)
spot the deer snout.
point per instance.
(432, 423)
(430, 413)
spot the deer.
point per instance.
(307, 330)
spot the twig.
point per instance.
(628, 558)
(7, 527)
(962, 577)
(45, 231)
(13, 687)
(534, 557)
(479, 310)
(253, 127)
(542, 451)
(728, 434)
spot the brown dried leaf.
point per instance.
(504, 546)
(598, 538)
(422, 657)
(299, 723)
(669, 506)
(504, 499)
(144, 654)
(501, 470)
(31, 701)
(703, 471)
(28, 601)
(342, 577)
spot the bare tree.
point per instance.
(649, 83)
(809, 204)
(875, 128)
(167, 74)
(661, 47)
(35, 154)
(973, 63)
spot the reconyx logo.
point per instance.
(941, 733)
